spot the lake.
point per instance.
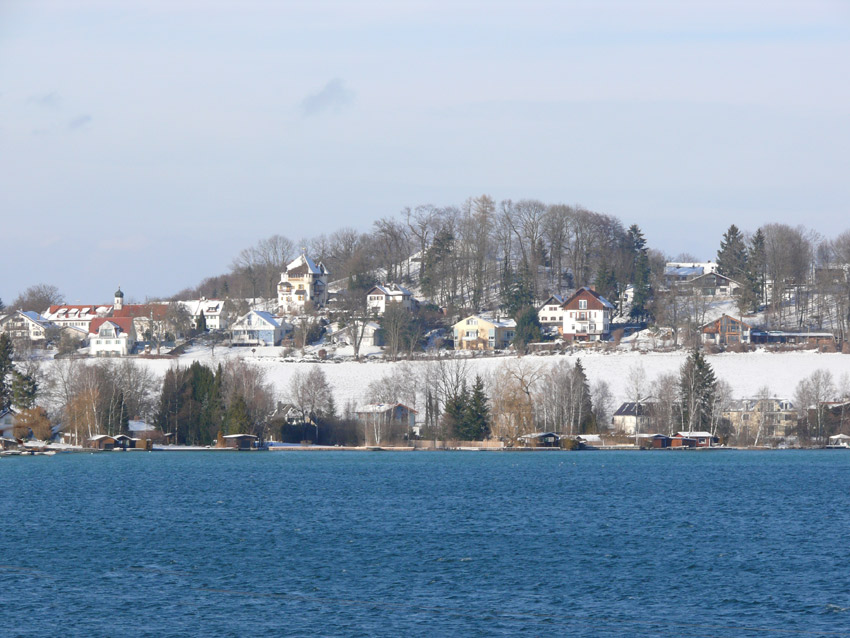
(720, 543)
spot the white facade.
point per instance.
(258, 328)
(76, 316)
(551, 313)
(212, 310)
(115, 337)
(587, 316)
(25, 324)
(380, 297)
(303, 283)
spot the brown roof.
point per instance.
(142, 310)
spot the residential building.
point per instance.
(483, 333)
(258, 328)
(712, 285)
(303, 283)
(380, 297)
(761, 418)
(211, 309)
(679, 271)
(77, 316)
(25, 324)
(725, 331)
(780, 337)
(633, 418)
(112, 337)
(551, 313)
(587, 316)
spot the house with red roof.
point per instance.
(112, 337)
(587, 316)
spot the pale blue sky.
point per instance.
(146, 143)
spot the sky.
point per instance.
(145, 143)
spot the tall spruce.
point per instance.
(585, 421)
(24, 390)
(636, 244)
(757, 266)
(454, 412)
(697, 390)
(732, 256)
(476, 414)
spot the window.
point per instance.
(582, 304)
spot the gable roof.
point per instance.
(124, 324)
(302, 265)
(714, 323)
(594, 294)
(630, 408)
(558, 299)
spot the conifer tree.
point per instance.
(757, 266)
(606, 282)
(732, 256)
(454, 412)
(697, 389)
(202, 322)
(237, 418)
(476, 415)
(583, 400)
(527, 330)
(640, 272)
(24, 389)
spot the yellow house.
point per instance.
(482, 333)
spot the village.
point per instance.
(317, 320)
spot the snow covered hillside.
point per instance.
(745, 372)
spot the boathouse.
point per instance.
(102, 442)
(240, 441)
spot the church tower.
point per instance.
(119, 299)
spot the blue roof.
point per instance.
(34, 316)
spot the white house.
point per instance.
(587, 316)
(7, 423)
(25, 324)
(551, 313)
(212, 310)
(257, 328)
(380, 297)
(304, 282)
(112, 337)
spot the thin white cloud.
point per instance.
(333, 96)
(81, 121)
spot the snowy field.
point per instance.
(745, 372)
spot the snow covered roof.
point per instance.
(304, 264)
(631, 408)
(34, 317)
(695, 434)
(239, 436)
(123, 324)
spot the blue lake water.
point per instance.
(426, 544)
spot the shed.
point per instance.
(102, 442)
(839, 440)
(541, 439)
(240, 441)
(701, 438)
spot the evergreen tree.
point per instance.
(202, 322)
(528, 329)
(757, 267)
(584, 402)
(24, 389)
(476, 414)
(606, 282)
(454, 412)
(517, 292)
(237, 419)
(697, 389)
(640, 272)
(6, 368)
(732, 256)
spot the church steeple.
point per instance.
(118, 302)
